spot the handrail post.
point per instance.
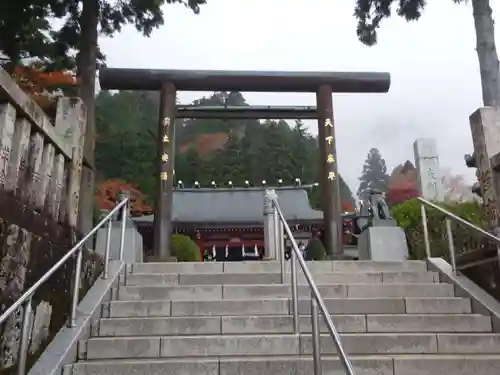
(315, 336)
(105, 271)
(451, 245)
(295, 293)
(76, 288)
(426, 230)
(24, 340)
(123, 224)
(277, 238)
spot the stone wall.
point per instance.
(40, 170)
(26, 254)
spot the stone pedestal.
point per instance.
(427, 163)
(132, 251)
(383, 243)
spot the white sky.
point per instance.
(433, 65)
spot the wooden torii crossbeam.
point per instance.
(168, 82)
(246, 112)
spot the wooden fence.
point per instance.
(40, 171)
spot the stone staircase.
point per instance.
(395, 318)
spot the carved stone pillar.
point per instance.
(485, 129)
(427, 163)
(270, 239)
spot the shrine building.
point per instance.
(230, 220)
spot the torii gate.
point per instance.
(168, 82)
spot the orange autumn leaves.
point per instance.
(43, 86)
(107, 194)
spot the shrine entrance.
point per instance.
(323, 84)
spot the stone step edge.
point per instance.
(288, 358)
(180, 317)
(117, 302)
(285, 299)
(179, 280)
(429, 284)
(254, 262)
(278, 273)
(245, 266)
(291, 335)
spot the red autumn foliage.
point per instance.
(401, 192)
(34, 80)
(44, 87)
(107, 193)
(346, 207)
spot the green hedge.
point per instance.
(408, 217)
(315, 250)
(184, 248)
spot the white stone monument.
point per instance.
(430, 185)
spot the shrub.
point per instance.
(184, 248)
(315, 250)
(408, 216)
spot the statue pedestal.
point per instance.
(383, 243)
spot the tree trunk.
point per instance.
(486, 52)
(87, 66)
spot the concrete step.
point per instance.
(447, 365)
(350, 306)
(295, 365)
(446, 343)
(213, 292)
(275, 278)
(285, 344)
(205, 325)
(275, 267)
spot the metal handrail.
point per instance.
(449, 235)
(26, 299)
(316, 301)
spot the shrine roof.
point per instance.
(236, 205)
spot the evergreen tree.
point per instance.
(230, 162)
(25, 31)
(304, 153)
(374, 175)
(186, 167)
(278, 156)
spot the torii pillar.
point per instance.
(322, 83)
(329, 178)
(165, 170)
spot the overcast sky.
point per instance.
(433, 66)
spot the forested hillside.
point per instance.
(218, 150)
